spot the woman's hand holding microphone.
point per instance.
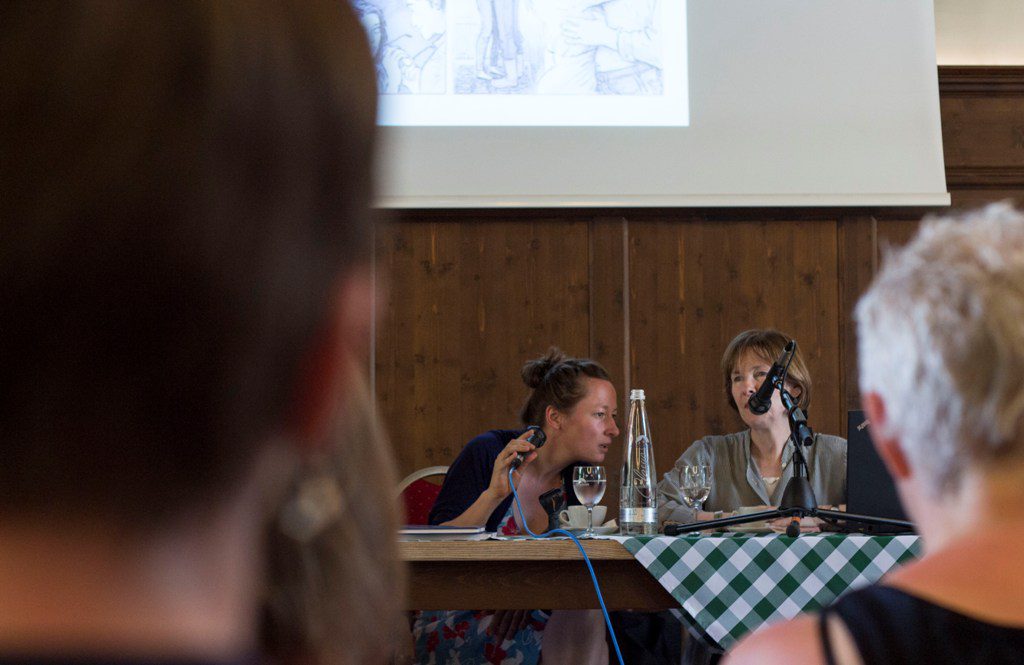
(522, 445)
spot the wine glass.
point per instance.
(696, 484)
(588, 482)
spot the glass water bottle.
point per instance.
(638, 498)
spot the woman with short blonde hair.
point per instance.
(753, 466)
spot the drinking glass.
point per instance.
(588, 482)
(696, 484)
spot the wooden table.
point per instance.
(527, 574)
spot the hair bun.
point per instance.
(534, 371)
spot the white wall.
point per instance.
(979, 32)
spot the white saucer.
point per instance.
(750, 527)
(598, 530)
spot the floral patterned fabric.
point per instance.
(451, 637)
(459, 637)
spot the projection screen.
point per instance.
(635, 103)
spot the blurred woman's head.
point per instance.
(223, 175)
(334, 583)
(941, 341)
(574, 400)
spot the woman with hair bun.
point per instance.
(574, 402)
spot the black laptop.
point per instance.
(869, 487)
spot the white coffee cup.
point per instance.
(575, 517)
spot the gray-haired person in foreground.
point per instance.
(184, 286)
(941, 348)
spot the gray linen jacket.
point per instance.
(736, 481)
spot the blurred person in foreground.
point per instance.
(324, 583)
(184, 282)
(941, 351)
(752, 467)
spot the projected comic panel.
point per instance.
(529, 62)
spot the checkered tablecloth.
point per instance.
(729, 585)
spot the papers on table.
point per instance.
(425, 532)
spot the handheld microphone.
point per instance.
(761, 401)
(537, 437)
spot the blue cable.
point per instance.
(586, 560)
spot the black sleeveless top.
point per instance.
(892, 626)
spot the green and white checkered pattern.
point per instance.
(730, 585)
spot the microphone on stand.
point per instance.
(537, 437)
(761, 401)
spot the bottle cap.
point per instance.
(636, 393)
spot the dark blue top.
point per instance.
(892, 626)
(470, 474)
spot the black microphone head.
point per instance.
(761, 400)
(537, 436)
(758, 406)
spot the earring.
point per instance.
(317, 502)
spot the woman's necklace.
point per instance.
(775, 467)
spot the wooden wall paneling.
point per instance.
(663, 360)
(979, 196)
(862, 244)
(983, 120)
(858, 258)
(526, 289)
(470, 301)
(893, 233)
(392, 384)
(983, 133)
(608, 236)
(694, 284)
(419, 262)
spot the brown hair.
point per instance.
(767, 345)
(182, 185)
(334, 596)
(556, 380)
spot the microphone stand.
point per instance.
(798, 498)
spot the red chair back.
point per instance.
(419, 490)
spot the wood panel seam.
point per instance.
(626, 296)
